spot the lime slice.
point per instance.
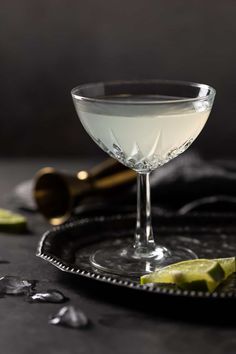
(197, 274)
(200, 268)
(11, 222)
(5, 213)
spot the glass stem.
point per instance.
(144, 241)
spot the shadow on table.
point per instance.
(212, 311)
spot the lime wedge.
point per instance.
(11, 222)
(197, 274)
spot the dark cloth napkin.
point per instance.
(191, 183)
(188, 183)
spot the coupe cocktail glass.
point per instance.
(142, 124)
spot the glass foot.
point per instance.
(119, 258)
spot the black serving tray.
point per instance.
(209, 235)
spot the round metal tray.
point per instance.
(68, 247)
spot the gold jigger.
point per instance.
(56, 194)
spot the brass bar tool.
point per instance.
(56, 193)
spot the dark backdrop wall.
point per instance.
(49, 46)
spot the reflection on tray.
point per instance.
(69, 247)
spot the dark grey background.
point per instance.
(49, 46)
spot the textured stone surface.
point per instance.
(122, 323)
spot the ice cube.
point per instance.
(51, 295)
(11, 285)
(69, 316)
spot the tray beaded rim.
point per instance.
(63, 266)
